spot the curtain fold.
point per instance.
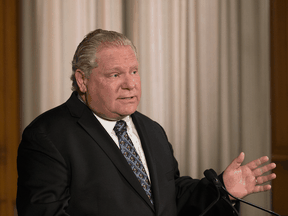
(204, 68)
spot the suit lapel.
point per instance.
(94, 128)
(147, 143)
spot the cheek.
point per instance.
(99, 90)
(139, 86)
(107, 95)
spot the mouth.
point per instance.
(131, 99)
(127, 98)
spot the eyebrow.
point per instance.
(119, 68)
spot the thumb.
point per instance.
(236, 163)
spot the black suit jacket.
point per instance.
(69, 165)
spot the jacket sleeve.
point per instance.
(193, 196)
(43, 177)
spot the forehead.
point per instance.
(116, 56)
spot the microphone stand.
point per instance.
(241, 200)
(214, 202)
(212, 177)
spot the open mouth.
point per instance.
(127, 98)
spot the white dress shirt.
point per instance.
(132, 133)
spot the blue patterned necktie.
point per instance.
(128, 150)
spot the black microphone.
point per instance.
(209, 175)
(212, 177)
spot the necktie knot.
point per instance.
(120, 127)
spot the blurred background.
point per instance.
(214, 75)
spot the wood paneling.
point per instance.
(279, 102)
(9, 105)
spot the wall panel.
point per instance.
(279, 102)
(9, 105)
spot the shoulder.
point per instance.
(60, 116)
(150, 125)
(141, 118)
(51, 117)
(53, 131)
(59, 120)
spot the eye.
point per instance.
(114, 75)
(134, 72)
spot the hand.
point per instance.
(241, 181)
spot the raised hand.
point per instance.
(241, 181)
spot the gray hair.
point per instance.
(85, 55)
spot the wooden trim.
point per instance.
(276, 157)
(279, 76)
(9, 108)
(279, 102)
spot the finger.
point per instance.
(264, 169)
(236, 163)
(261, 188)
(263, 179)
(255, 163)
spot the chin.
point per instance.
(127, 112)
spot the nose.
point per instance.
(129, 82)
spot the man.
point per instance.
(96, 155)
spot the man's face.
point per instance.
(113, 89)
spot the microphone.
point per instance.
(211, 175)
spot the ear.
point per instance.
(81, 80)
